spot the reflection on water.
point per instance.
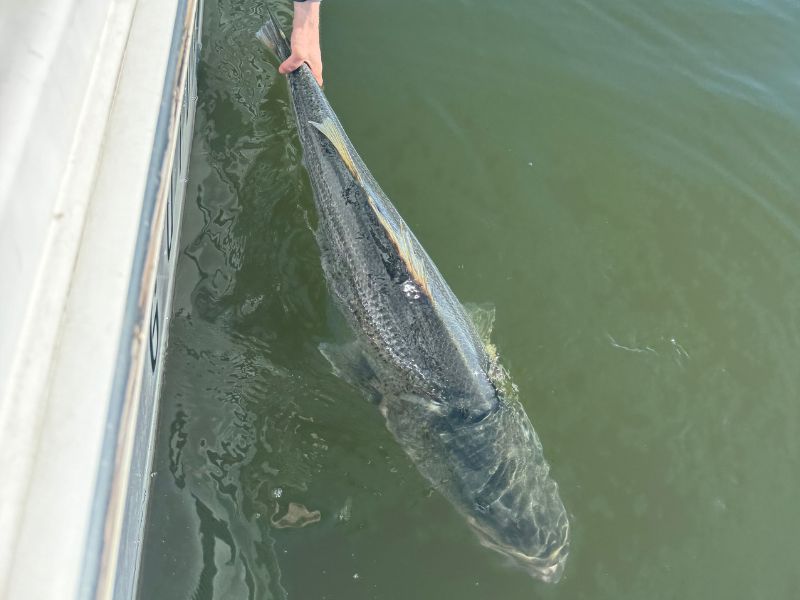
(237, 437)
(619, 180)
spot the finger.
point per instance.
(290, 64)
(316, 71)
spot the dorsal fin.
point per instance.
(329, 129)
(402, 239)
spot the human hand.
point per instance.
(305, 40)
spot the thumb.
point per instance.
(290, 64)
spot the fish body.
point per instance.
(444, 396)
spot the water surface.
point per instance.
(619, 179)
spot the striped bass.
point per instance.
(437, 382)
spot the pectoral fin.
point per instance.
(348, 362)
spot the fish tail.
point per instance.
(272, 36)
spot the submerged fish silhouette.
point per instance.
(438, 383)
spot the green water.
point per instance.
(619, 179)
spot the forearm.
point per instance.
(306, 19)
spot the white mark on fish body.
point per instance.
(410, 290)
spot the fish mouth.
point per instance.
(548, 568)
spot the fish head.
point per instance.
(491, 467)
(505, 491)
(533, 536)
